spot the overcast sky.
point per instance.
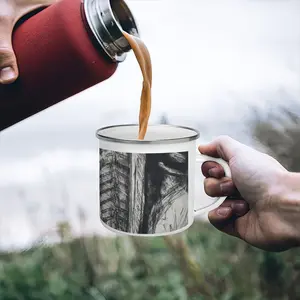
(210, 59)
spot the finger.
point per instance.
(212, 169)
(226, 226)
(223, 147)
(226, 217)
(8, 63)
(238, 208)
(219, 187)
(8, 66)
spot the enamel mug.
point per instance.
(152, 187)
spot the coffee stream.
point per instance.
(143, 57)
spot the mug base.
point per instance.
(119, 232)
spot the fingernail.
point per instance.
(226, 188)
(7, 74)
(213, 172)
(224, 211)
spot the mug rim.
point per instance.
(193, 137)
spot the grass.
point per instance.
(199, 264)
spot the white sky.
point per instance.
(210, 58)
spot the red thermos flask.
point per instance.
(63, 50)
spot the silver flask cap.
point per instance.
(107, 19)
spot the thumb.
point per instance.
(8, 62)
(224, 147)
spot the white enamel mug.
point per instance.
(148, 187)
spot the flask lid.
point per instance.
(107, 19)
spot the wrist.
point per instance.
(288, 198)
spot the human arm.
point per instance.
(266, 209)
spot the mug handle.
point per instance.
(200, 158)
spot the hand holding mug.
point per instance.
(266, 211)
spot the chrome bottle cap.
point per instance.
(107, 19)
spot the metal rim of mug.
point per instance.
(143, 142)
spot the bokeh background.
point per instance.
(222, 66)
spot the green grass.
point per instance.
(199, 264)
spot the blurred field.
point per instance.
(199, 264)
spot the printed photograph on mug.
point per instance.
(144, 193)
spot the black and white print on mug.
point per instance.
(144, 193)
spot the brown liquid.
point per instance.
(143, 57)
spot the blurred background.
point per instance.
(221, 66)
